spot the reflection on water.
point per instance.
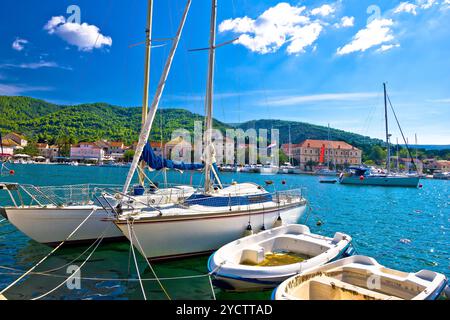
(402, 228)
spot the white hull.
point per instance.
(268, 170)
(178, 236)
(235, 266)
(390, 181)
(53, 225)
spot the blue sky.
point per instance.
(314, 61)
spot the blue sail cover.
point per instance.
(158, 162)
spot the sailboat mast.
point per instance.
(145, 131)
(209, 95)
(398, 159)
(329, 146)
(388, 160)
(148, 46)
(417, 157)
(290, 145)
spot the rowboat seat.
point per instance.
(310, 246)
(327, 288)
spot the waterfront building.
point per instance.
(87, 151)
(46, 151)
(19, 139)
(437, 165)
(313, 151)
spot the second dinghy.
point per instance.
(361, 278)
(266, 259)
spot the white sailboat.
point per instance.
(51, 214)
(360, 175)
(215, 215)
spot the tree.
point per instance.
(128, 155)
(378, 154)
(31, 149)
(283, 158)
(310, 164)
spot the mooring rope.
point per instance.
(73, 274)
(135, 261)
(149, 264)
(49, 254)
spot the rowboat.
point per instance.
(361, 278)
(264, 260)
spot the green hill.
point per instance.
(301, 131)
(43, 121)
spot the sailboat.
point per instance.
(50, 215)
(361, 175)
(212, 216)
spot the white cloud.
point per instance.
(377, 32)
(446, 5)
(386, 47)
(278, 25)
(296, 100)
(406, 7)
(14, 90)
(84, 36)
(427, 4)
(34, 65)
(19, 44)
(323, 11)
(346, 22)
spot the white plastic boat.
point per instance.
(266, 259)
(361, 278)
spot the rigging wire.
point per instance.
(49, 254)
(401, 131)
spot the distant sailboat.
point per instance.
(360, 175)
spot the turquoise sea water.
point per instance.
(402, 228)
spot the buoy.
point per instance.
(268, 182)
(319, 223)
(420, 185)
(278, 222)
(248, 231)
(12, 172)
(283, 182)
(361, 178)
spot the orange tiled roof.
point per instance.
(117, 144)
(9, 143)
(309, 143)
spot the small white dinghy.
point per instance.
(264, 260)
(361, 278)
